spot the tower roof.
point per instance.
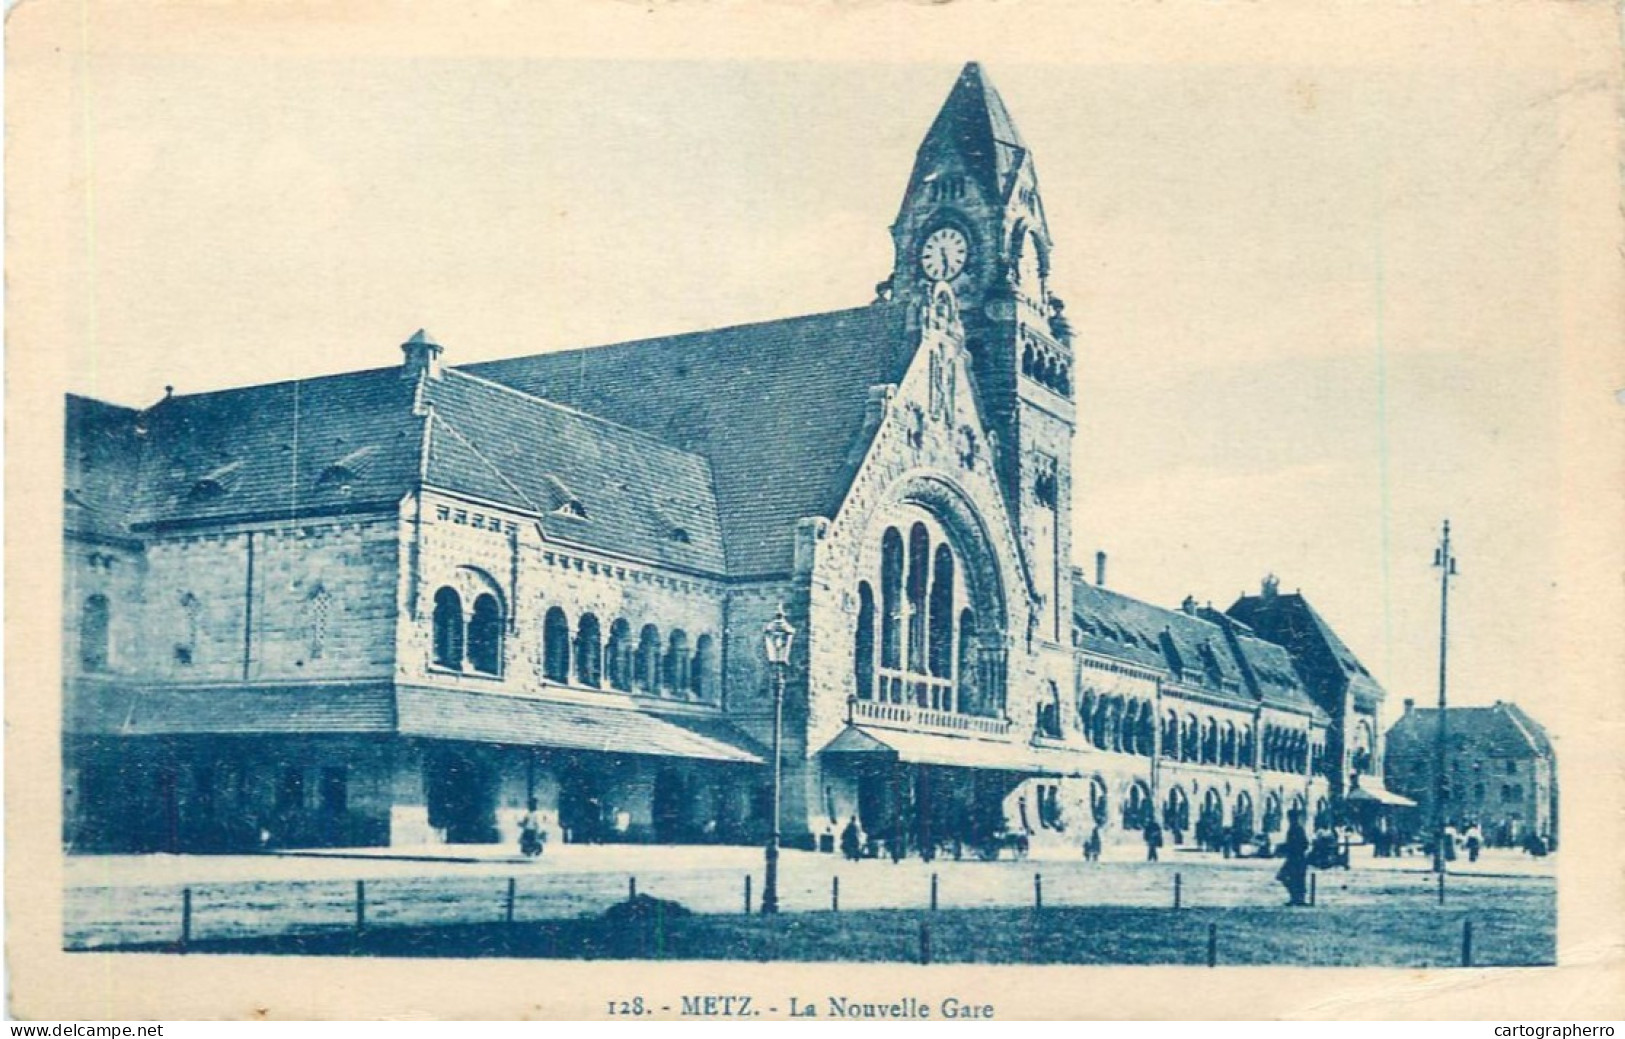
(974, 123)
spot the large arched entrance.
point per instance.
(1176, 814)
(461, 791)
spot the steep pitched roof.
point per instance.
(101, 451)
(974, 123)
(284, 448)
(1501, 731)
(1327, 665)
(592, 482)
(776, 408)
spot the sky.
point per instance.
(1316, 305)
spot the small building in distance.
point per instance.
(1501, 769)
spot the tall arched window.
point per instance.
(485, 636)
(1170, 736)
(699, 677)
(93, 627)
(1242, 817)
(1128, 725)
(863, 646)
(941, 653)
(969, 694)
(1086, 707)
(1099, 806)
(891, 599)
(1189, 740)
(448, 629)
(618, 661)
(1210, 742)
(648, 670)
(556, 646)
(589, 651)
(1147, 730)
(1245, 754)
(676, 669)
(919, 575)
(1227, 744)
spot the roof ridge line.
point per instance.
(577, 412)
(451, 428)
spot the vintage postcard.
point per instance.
(818, 511)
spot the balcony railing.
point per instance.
(907, 716)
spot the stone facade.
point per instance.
(401, 607)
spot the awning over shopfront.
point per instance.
(109, 709)
(924, 748)
(460, 714)
(1373, 792)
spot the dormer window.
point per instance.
(572, 509)
(681, 536)
(215, 483)
(344, 472)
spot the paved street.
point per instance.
(121, 899)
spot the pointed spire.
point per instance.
(974, 123)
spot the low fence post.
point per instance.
(925, 941)
(1038, 890)
(509, 913)
(1212, 945)
(747, 894)
(186, 918)
(631, 889)
(1312, 894)
(360, 906)
(1466, 943)
(1176, 890)
(1441, 887)
(835, 894)
(933, 892)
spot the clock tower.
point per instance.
(972, 217)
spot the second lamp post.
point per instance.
(776, 639)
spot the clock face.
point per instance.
(944, 253)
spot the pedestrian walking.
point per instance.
(1091, 846)
(531, 837)
(1153, 840)
(852, 840)
(1294, 869)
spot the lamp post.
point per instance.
(1446, 564)
(776, 639)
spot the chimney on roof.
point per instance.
(1410, 705)
(1189, 605)
(422, 356)
(1100, 569)
(1271, 585)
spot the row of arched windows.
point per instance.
(1047, 371)
(1287, 750)
(469, 641)
(926, 651)
(1206, 742)
(645, 664)
(1117, 723)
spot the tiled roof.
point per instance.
(974, 123)
(101, 454)
(776, 409)
(1325, 663)
(1502, 731)
(285, 448)
(110, 709)
(1199, 648)
(636, 496)
(497, 718)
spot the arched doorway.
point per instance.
(1242, 818)
(1176, 814)
(1210, 826)
(461, 791)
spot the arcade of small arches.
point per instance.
(1117, 723)
(583, 654)
(920, 640)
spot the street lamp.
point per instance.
(1446, 565)
(776, 639)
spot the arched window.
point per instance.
(318, 613)
(891, 599)
(1272, 813)
(1137, 809)
(1099, 805)
(618, 660)
(942, 615)
(863, 647)
(1147, 730)
(485, 636)
(1176, 814)
(1227, 745)
(589, 651)
(556, 646)
(1245, 757)
(1170, 736)
(676, 666)
(1126, 726)
(93, 627)
(699, 676)
(1210, 742)
(1086, 707)
(919, 575)
(648, 670)
(1049, 713)
(1242, 819)
(448, 629)
(969, 694)
(1097, 723)
(1188, 740)
(192, 620)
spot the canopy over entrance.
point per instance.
(1375, 793)
(923, 748)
